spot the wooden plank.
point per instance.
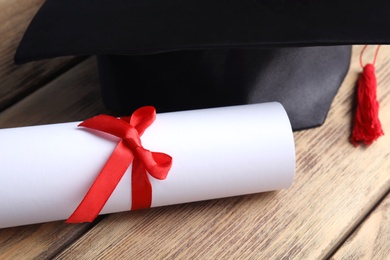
(372, 239)
(73, 96)
(19, 81)
(37, 241)
(336, 185)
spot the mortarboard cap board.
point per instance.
(181, 54)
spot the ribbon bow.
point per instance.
(129, 150)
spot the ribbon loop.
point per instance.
(156, 164)
(142, 118)
(129, 151)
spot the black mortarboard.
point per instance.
(182, 54)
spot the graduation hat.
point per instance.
(186, 54)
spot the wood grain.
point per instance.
(372, 239)
(73, 96)
(19, 81)
(336, 185)
(41, 241)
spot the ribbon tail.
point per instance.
(104, 185)
(141, 188)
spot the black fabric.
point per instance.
(304, 80)
(74, 27)
(183, 54)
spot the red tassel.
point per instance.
(367, 127)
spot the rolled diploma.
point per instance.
(46, 170)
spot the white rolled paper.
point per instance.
(45, 171)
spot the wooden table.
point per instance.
(338, 206)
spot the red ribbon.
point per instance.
(129, 150)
